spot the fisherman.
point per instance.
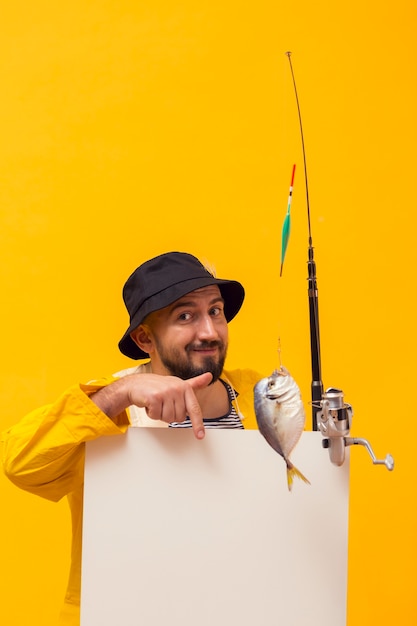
(179, 314)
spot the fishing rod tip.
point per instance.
(288, 53)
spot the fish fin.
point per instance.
(293, 471)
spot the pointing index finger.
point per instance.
(193, 408)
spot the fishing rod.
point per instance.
(330, 414)
(316, 383)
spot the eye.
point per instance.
(215, 311)
(184, 317)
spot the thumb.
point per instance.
(201, 381)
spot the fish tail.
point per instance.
(293, 471)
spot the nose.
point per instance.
(206, 329)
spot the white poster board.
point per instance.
(205, 533)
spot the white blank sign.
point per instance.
(205, 533)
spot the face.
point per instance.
(188, 337)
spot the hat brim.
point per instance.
(232, 293)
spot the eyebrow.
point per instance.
(191, 303)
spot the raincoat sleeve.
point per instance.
(44, 452)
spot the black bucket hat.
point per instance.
(164, 279)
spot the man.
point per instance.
(178, 321)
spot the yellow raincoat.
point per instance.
(44, 454)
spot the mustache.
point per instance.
(204, 345)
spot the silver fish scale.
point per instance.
(279, 411)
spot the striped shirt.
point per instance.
(230, 420)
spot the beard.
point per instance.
(181, 365)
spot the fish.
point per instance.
(280, 415)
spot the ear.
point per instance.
(142, 336)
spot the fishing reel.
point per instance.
(334, 419)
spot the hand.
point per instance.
(169, 398)
(165, 398)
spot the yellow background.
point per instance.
(133, 128)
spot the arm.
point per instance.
(44, 453)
